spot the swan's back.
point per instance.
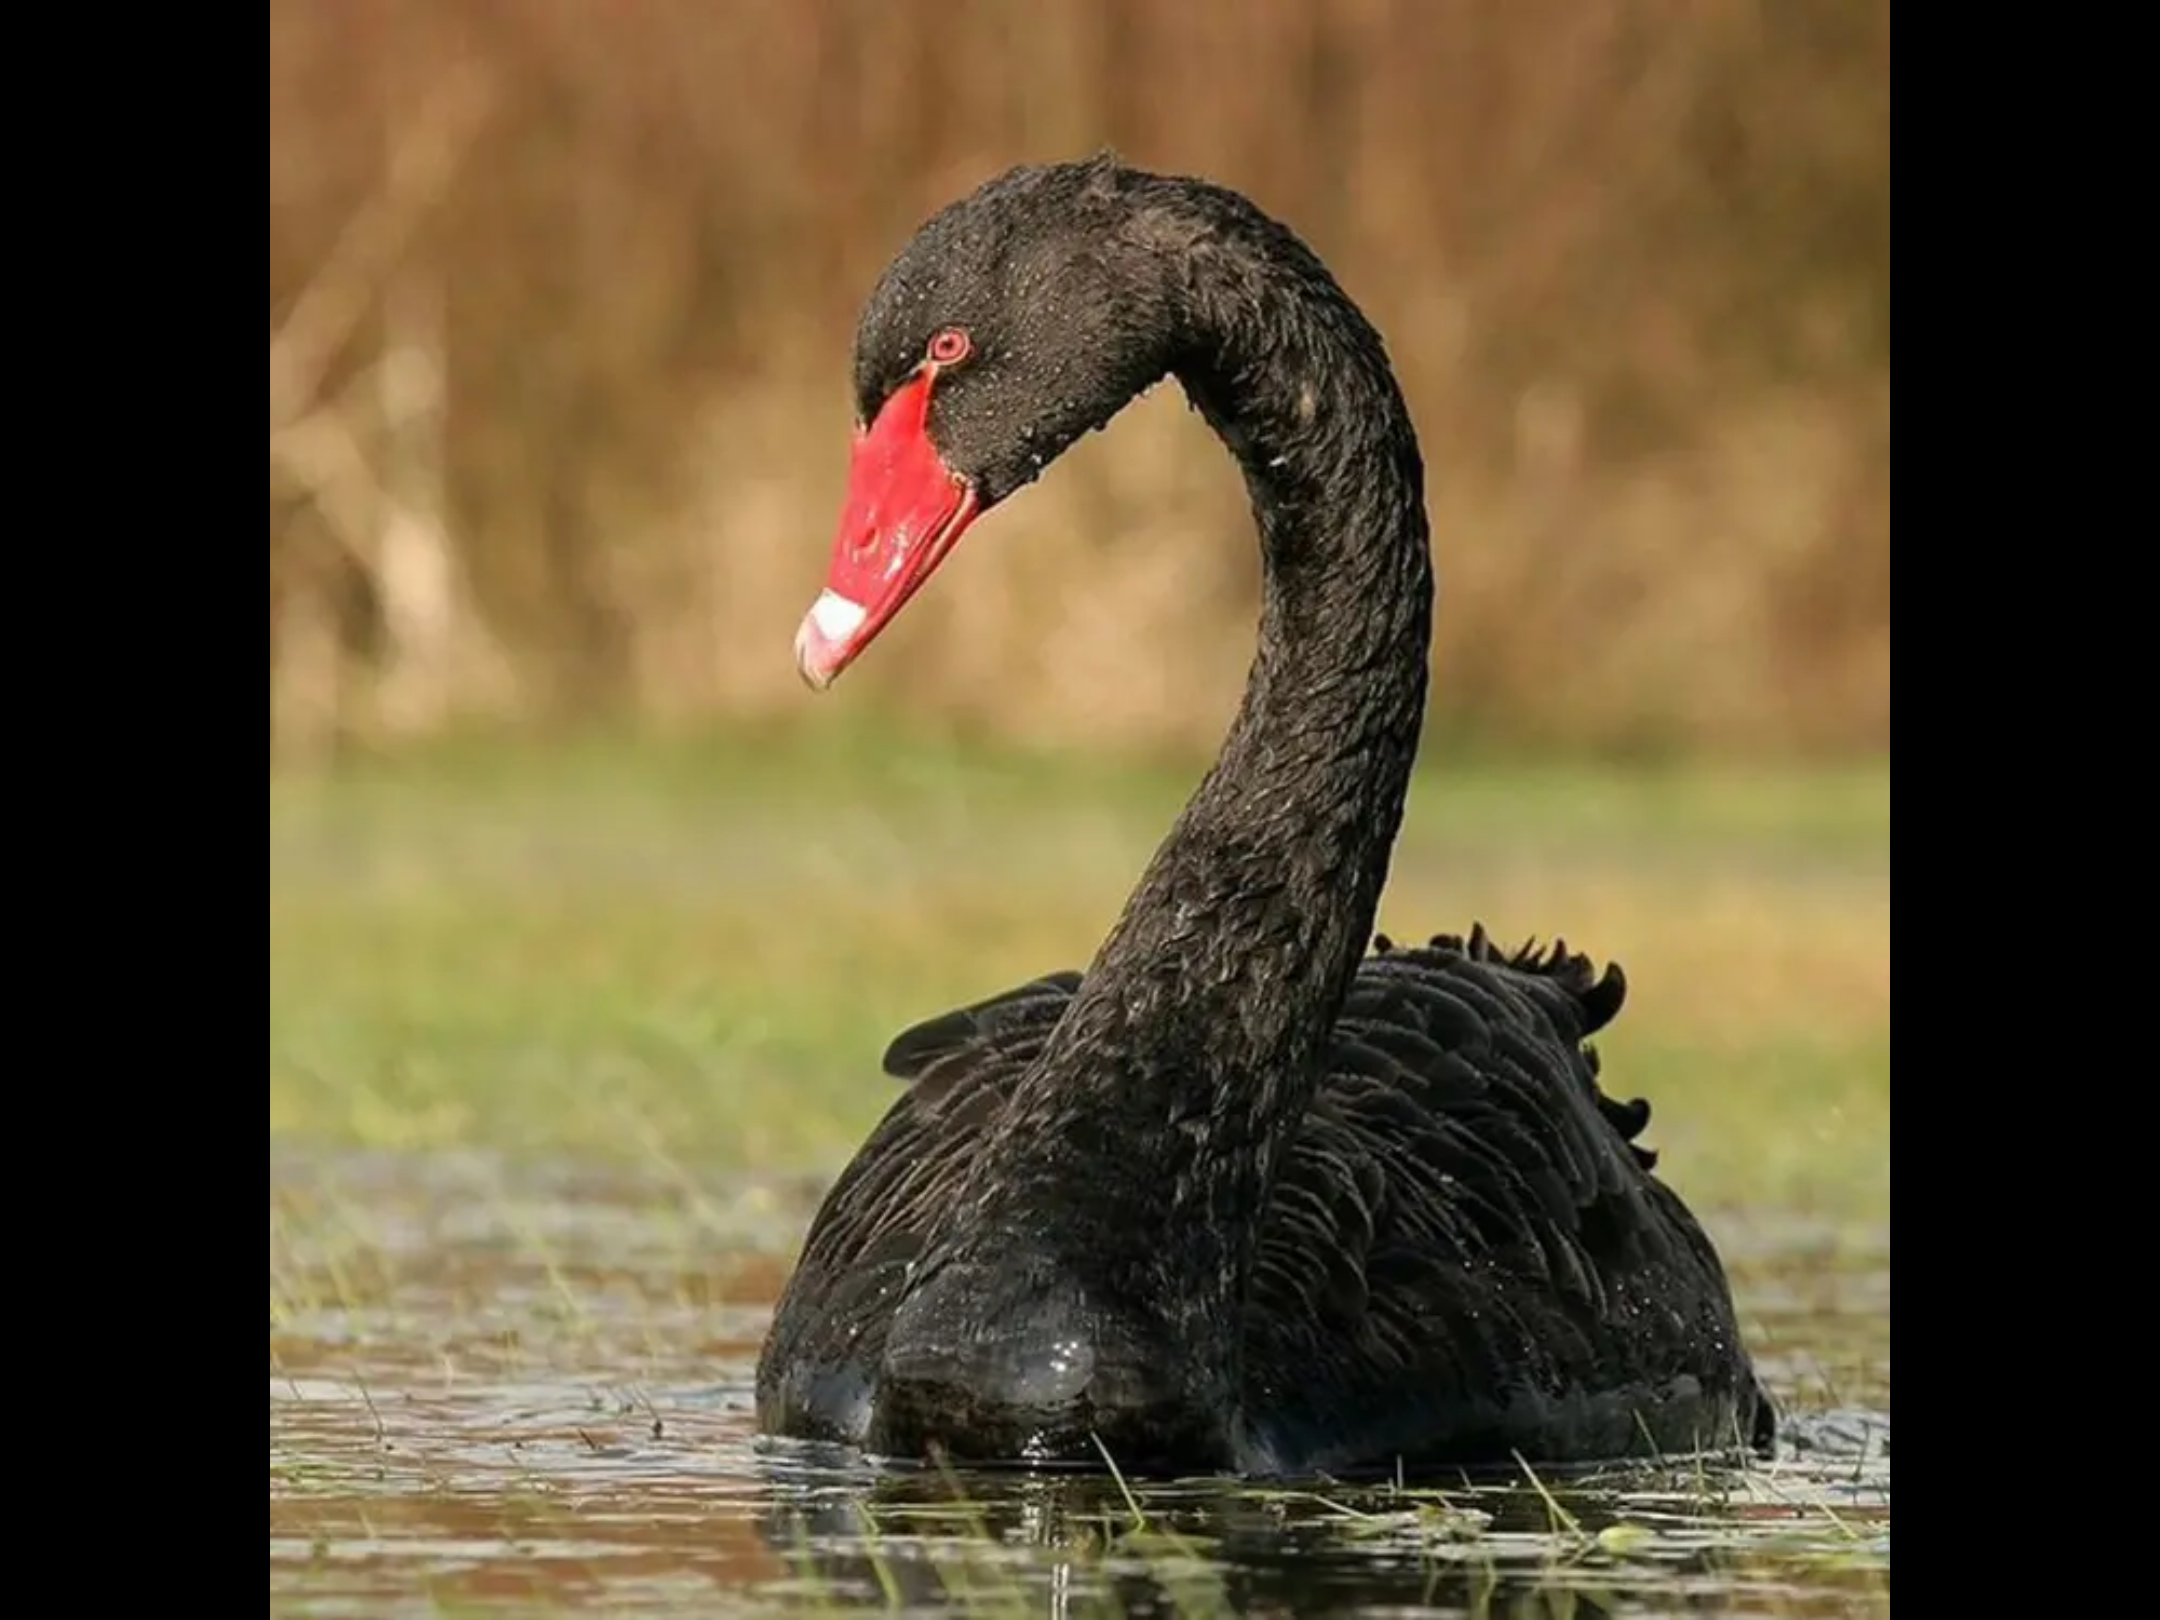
(1468, 1254)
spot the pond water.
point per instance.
(508, 1387)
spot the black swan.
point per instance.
(1240, 1198)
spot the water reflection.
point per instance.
(902, 1536)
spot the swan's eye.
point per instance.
(950, 347)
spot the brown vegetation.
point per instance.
(561, 293)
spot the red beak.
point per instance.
(905, 511)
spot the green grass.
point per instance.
(700, 946)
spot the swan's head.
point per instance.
(1017, 319)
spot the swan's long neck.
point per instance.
(1146, 1140)
(1215, 992)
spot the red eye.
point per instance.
(950, 347)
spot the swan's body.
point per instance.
(1240, 1197)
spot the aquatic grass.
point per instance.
(1178, 1563)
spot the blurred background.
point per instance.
(561, 298)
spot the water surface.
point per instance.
(499, 1386)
